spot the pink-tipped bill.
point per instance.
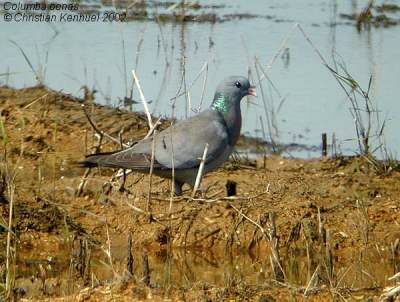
(252, 91)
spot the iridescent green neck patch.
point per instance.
(220, 104)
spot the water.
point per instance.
(195, 268)
(92, 54)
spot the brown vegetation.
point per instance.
(318, 229)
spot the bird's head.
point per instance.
(230, 92)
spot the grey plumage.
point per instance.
(219, 126)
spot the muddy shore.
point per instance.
(337, 220)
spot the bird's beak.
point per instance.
(252, 91)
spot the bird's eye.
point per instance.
(238, 85)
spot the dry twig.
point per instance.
(200, 171)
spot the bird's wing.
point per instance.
(121, 159)
(185, 140)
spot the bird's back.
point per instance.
(180, 146)
(185, 141)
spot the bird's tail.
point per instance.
(120, 159)
(95, 160)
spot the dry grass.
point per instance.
(334, 218)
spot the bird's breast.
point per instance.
(233, 124)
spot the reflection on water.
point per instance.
(181, 268)
(168, 57)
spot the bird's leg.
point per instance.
(178, 187)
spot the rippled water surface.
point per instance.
(101, 55)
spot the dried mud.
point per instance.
(71, 247)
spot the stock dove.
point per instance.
(182, 145)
